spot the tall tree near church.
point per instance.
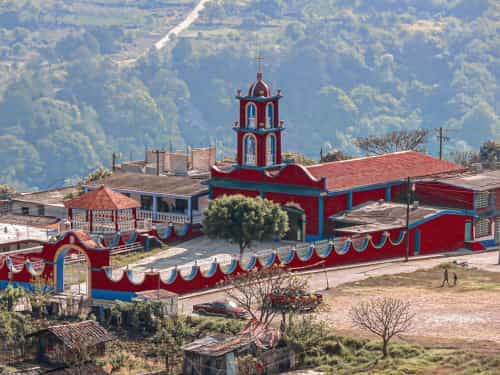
(243, 220)
(400, 140)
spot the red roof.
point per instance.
(373, 170)
(103, 198)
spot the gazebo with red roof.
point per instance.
(102, 210)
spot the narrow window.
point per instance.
(271, 149)
(250, 150)
(251, 116)
(269, 115)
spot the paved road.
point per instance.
(185, 24)
(317, 280)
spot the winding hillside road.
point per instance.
(188, 21)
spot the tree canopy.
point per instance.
(243, 220)
(80, 80)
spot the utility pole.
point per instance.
(113, 163)
(157, 152)
(408, 199)
(442, 138)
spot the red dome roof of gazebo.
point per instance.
(103, 198)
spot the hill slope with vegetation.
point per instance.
(81, 79)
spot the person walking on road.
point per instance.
(455, 279)
(445, 278)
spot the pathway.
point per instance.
(184, 25)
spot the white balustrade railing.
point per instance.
(250, 159)
(163, 217)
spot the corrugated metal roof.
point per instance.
(174, 185)
(488, 180)
(376, 216)
(79, 335)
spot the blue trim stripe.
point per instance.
(366, 188)
(321, 215)
(113, 295)
(442, 213)
(388, 193)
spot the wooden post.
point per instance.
(134, 213)
(91, 226)
(408, 198)
(70, 217)
(115, 213)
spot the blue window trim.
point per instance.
(271, 143)
(270, 114)
(251, 109)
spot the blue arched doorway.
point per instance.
(72, 270)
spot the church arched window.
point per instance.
(269, 115)
(251, 116)
(250, 150)
(271, 149)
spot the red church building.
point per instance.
(312, 195)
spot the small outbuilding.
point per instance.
(218, 354)
(70, 343)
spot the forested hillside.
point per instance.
(80, 79)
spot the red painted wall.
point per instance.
(360, 197)
(333, 205)
(292, 174)
(444, 233)
(308, 204)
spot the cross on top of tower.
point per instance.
(259, 60)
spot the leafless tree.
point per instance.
(465, 158)
(252, 290)
(384, 317)
(400, 140)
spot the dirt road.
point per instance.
(441, 312)
(185, 24)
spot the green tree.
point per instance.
(243, 220)
(6, 191)
(169, 339)
(98, 174)
(10, 297)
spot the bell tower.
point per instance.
(259, 128)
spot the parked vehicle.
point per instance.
(298, 301)
(225, 308)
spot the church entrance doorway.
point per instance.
(296, 222)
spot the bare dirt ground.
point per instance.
(469, 311)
